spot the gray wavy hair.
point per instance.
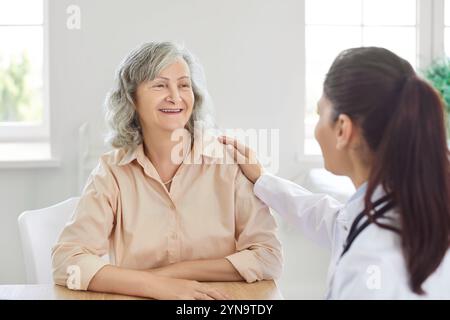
(143, 64)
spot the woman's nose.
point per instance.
(174, 96)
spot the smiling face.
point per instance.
(166, 102)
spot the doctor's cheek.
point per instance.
(318, 134)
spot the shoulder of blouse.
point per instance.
(103, 176)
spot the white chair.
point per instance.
(39, 231)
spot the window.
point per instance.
(447, 28)
(332, 26)
(23, 107)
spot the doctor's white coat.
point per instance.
(374, 267)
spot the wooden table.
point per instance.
(263, 290)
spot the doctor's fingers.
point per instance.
(242, 154)
(243, 149)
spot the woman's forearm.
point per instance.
(201, 270)
(111, 279)
(141, 283)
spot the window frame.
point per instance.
(27, 132)
(430, 46)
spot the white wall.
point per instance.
(252, 52)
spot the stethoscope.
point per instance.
(356, 229)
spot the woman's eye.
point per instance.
(158, 85)
(186, 85)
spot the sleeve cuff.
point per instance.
(80, 275)
(261, 185)
(247, 265)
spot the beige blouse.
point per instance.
(125, 211)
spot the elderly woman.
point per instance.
(165, 223)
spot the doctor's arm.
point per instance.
(313, 214)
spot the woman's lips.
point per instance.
(171, 111)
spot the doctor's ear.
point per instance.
(343, 128)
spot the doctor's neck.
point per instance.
(359, 169)
(359, 177)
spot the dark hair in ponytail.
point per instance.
(402, 120)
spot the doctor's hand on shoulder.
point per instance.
(245, 157)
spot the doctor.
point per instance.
(383, 127)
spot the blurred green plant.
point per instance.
(438, 74)
(18, 100)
